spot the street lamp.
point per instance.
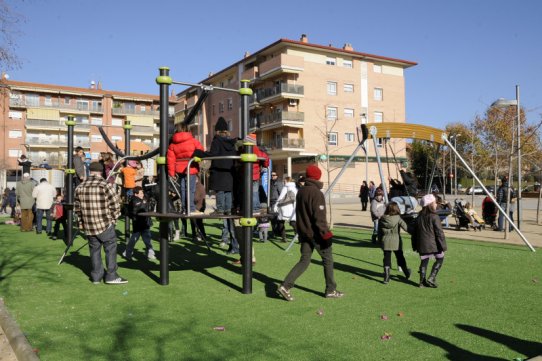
(503, 103)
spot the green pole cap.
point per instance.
(161, 160)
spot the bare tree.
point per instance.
(9, 30)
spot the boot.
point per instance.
(374, 238)
(177, 235)
(423, 281)
(407, 272)
(386, 275)
(432, 280)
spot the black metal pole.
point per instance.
(247, 221)
(164, 81)
(70, 123)
(127, 126)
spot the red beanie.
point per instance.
(313, 172)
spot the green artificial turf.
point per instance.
(487, 307)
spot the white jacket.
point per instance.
(45, 195)
(286, 212)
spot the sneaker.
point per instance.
(129, 258)
(117, 281)
(334, 294)
(285, 293)
(177, 235)
(96, 282)
(151, 256)
(216, 213)
(223, 245)
(53, 238)
(196, 213)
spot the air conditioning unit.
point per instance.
(293, 102)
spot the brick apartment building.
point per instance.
(33, 117)
(308, 101)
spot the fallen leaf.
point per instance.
(383, 317)
(219, 328)
(535, 280)
(386, 336)
(400, 314)
(320, 312)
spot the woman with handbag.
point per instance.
(285, 207)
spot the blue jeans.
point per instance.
(39, 219)
(182, 186)
(501, 217)
(256, 196)
(223, 201)
(228, 232)
(146, 235)
(107, 239)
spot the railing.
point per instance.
(283, 143)
(262, 94)
(145, 129)
(56, 124)
(56, 105)
(122, 110)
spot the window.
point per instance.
(377, 68)
(14, 153)
(230, 104)
(96, 121)
(347, 63)
(332, 138)
(143, 108)
(348, 113)
(331, 88)
(349, 137)
(67, 100)
(348, 88)
(378, 94)
(15, 115)
(214, 110)
(378, 117)
(331, 61)
(379, 142)
(32, 100)
(96, 138)
(129, 107)
(116, 138)
(15, 134)
(221, 107)
(116, 122)
(331, 113)
(48, 101)
(96, 105)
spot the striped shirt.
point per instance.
(96, 204)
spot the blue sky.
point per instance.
(469, 53)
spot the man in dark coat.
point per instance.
(313, 234)
(222, 170)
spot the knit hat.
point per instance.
(96, 167)
(250, 138)
(132, 163)
(427, 200)
(221, 125)
(313, 172)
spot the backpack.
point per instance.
(58, 211)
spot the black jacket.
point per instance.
(428, 236)
(310, 212)
(140, 223)
(222, 170)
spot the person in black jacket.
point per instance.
(313, 234)
(428, 240)
(221, 177)
(364, 195)
(141, 225)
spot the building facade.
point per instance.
(34, 115)
(308, 104)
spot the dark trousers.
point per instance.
(363, 206)
(56, 228)
(306, 254)
(399, 256)
(107, 239)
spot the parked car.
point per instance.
(480, 190)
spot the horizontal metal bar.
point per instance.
(206, 86)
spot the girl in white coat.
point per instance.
(285, 206)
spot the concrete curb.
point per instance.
(20, 345)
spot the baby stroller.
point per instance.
(489, 212)
(461, 219)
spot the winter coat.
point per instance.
(276, 189)
(286, 210)
(428, 236)
(180, 150)
(311, 213)
(377, 208)
(256, 167)
(389, 228)
(222, 170)
(364, 193)
(24, 193)
(137, 206)
(12, 198)
(45, 195)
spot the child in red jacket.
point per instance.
(180, 150)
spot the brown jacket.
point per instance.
(311, 213)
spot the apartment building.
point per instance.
(308, 104)
(34, 115)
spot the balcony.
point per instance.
(281, 64)
(133, 111)
(78, 107)
(54, 142)
(279, 92)
(285, 143)
(56, 125)
(144, 130)
(250, 74)
(278, 120)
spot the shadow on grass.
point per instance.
(524, 347)
(454, 352)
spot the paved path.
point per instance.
(347, 213)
